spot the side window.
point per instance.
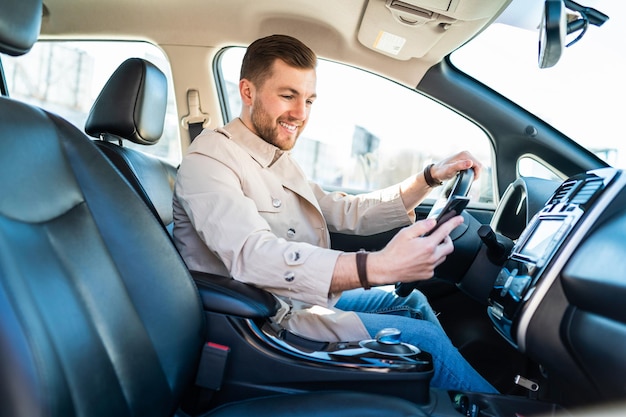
(529, 166)
(66, 78)
(366, 132)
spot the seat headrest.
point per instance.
(20, 23)
(131, 105)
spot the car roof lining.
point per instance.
(337, 36)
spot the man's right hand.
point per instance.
(410, 256)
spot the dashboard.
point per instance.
(559, 295)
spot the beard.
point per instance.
(268, 129)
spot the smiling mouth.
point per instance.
(289, 127)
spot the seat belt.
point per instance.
(196, 120)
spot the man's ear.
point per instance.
(246, 91)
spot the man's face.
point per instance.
(279, 108)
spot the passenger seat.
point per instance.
(132, 107)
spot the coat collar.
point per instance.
(269, 156)
(261, 151)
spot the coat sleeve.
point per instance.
(363, 214)
(210, 192)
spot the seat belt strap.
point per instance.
(194, 130)
(196, 120)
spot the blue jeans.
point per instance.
(381, 308)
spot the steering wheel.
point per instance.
(458, 186)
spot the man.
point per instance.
(243, 208)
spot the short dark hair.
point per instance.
(261, 54)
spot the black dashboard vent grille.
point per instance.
(562, 192)
(587, 191)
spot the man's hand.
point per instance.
(414, 189)
(449, 167)
(411, 257)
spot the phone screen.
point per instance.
(449, 209)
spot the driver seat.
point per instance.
(98, 314)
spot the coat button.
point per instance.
(276, 202)
(289, 276)
(291, 233)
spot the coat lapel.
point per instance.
(294, 179)
(286, 169)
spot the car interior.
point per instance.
(99, 315)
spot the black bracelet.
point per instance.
(361, 268)
(430, 181)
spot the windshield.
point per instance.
(582, 95)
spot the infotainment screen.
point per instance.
(540, 238)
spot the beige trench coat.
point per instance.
(243, 208)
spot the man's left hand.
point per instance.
(449, 167)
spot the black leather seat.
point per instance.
(98, 314)
(131, 107)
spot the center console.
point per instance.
(255, 356)
(523, 275)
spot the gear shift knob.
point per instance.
(389, 336)
(388, 342)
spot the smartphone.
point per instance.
(453, 207)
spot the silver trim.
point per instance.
(551, 274)
(356, 356)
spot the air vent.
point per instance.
(562, 192)
(587, 191)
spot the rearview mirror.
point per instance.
(552, 33)
(556, 24)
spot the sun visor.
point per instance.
(405, 29)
